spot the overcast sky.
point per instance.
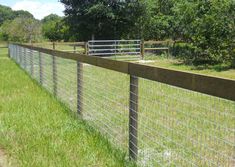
(39, 8)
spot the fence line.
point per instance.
(164, 117)
(214, 86)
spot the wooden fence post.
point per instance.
(79, 88)
(142, 49)
(8, 45)
(53, 45)
(40, 68)
(74, 48)
(168, 50)
(133, 118)
(86, 48)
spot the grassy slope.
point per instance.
(36, 130)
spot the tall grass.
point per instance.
(37, 130)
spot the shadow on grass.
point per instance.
(216, 67)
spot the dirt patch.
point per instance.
(145, 61)
(3, 158)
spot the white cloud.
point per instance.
(39, 9)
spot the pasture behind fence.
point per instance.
(160, 117)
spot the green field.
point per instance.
(37, 130)
(221, 70)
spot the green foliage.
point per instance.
(105, 19)
(21, 30)
(7, 13)
(55, 29)
(207, 28)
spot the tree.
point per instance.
(54, 28)
(209, 26)
(22, 30)
(50, 27)
(104, 19)
(7, 13)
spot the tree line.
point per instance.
(205, 28)
(21, 26)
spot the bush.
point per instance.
(184, 51)
(191, 54)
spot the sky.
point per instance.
(39, 8)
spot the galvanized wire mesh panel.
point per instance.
(67, 82)
(105, 102)
(177, 127)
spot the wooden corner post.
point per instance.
(133, 118)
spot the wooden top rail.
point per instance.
(71, 43)
(160, 48)
(157, 42)
(162, 42)
(59, 43)
(219, 87)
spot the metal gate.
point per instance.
(115, 48)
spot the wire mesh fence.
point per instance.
(159, 124)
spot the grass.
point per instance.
(37, 130)
(212, 70)
(173, 122)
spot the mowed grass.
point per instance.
(37, 130)
(220, 70)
